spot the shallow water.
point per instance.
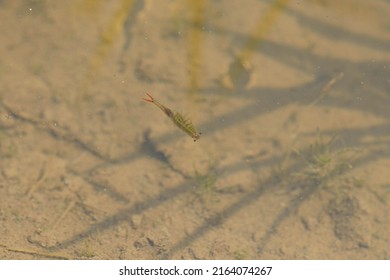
(291, 97)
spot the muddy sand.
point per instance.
(292, 99)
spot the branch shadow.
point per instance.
(266, 101)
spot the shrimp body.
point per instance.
(179, 120)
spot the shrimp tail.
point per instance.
(150, 99)
(166, 110)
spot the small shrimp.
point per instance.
(179, 120)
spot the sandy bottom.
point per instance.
(292, 99)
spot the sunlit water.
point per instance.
(291, 99)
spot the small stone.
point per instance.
(135, 221)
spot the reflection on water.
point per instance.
(291, 98)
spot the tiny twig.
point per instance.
(327, 87)
(40, 179)
(70, 206)
(34, 253)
